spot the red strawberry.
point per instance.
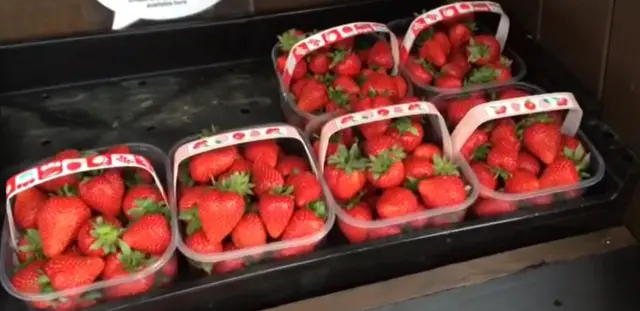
(375, 147)
(188, 206)
(562, 172)
(249, 232)
(459, 34)
(26, 206)
(220, 211)
(289, 38)
(418, 168)
(345, 63)
(103, 193)
(380, 55)
(383, 232)
(31, 281)
(313, 97)
(304, 222)
(57, 184)
(503, 158)
(420, 72)
(141, 200)
(442, 38)
(276, 210)
(386, 170)
(401, 86)
(504, 134)
(150, 234)
(69, 271)
(319, 63)
(493, 207)
(453, 70)
(410, 133)
(442, 191)
(99, 236)
(372, 102)
(374, 129)
(459, 58)
(489, 73)
(306, 188)
(344, 172)
(339, 102)
(448, 82)
(485, 176)
(290, 165)
(521, 181)
(281, 63)
(265, 178)
(477, 139)
(396, 202)
(360, 212)
(459, 108)
(427, 151)
(168, 271)
(123, 265)
(346, 84)
(512, 93)
(344, 44)
(231, 265)
(265, 151)
(199, 243)
(421, 220)
(381, 85)
(528, 162)
(434, 51)
(543, 140)
(204, 166)
(30, 246)
(297, 86)
(240, 165)
(483, 49)
(300, 71)
(58, 221)
(569, 146)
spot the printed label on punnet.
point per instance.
(128, 12)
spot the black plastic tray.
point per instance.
(189, 77)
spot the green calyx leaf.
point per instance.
(505, 61)
(348, 160)
(382, 163)
(319, 208)
(238, 182)
(209, 131)
(283, 190)
(33, 247)
(498, 173)
(404, 125)
(338, 56)
(428, 67)
(424, 36)
(132, 178)
(412, 184)
(444, 167)
(482, 74)
(106, 236)
(133, 260)
(339, 97)
(288, 39)
(183, 174)
(477, 51)
(481, 153)
(148, 206)
(192, 217)
(67, 191)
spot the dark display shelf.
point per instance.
(158, 85)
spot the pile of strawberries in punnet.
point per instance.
(451, 55)
(337, 77)
(90, 227)
(385, 169)
(247, 196)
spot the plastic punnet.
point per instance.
(436, 133)
(292, 143)
(159, 270)
(493, 202)
(449, 13)
(320, 40)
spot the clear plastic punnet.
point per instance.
(248, 195)
(82, 228)
(445, 51)
(340, 61)
(392, 169)
(526, 151)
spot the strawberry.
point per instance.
(240, 165)
(453, 70)
(344, 44)
(483, 49)
(380, 55)
(561, 172)
(488, 207)
(168, 271)
(143, 199)
(304, 222)
(420, 72)
(503, 158)
(375, 147)
(30, 280)
(448, 82)
(205, 166)
(512, 93)
(346, 84)
(360, 212)
(401, 86)
(313, 97)
(381, 85)
(103, 193)
(275, 210)
(339, 102)
(188, 207)
(396, 202)
(543, 140)
(528, 162)
(476, 140)
(374, 129)
(345, 63)
(199, 243)
(384, 232)
(570, 148)
(231, 265)
(57, 184)
(30, 246)
(70, 271)
(135, 176)
(58, 221)
(418, 168)
(440, 191)
(409, 133)
(489, 73)
(265, 151)
(150, 234)
(300, 71)
(485, 176)
(443, 40)
(249, 232)
(289, 38)
(123, 265)
(220, 210)
(281, 63)
(458, 57)
(297, 86)
(319, 63)
(434, 52)
(459, 34)
(344, 172)
(371, 103)
(265, 178)
(521, 181)
(26, 206)
(504, 134)
(306, 188)
(363, 55)
(291, 165)
(459, 108)
(421, 221)
(99, 236)
(427, 151)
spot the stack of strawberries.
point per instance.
(246, 196)
(450, 55)
(96, 226)
(337, 77)
(385, 169)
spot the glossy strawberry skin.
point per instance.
(304, 222)
(313, 97)
(199, 243)
(344, 185)
(543, 140)
(522, 181)
(204, 166)
(59, 221)
(57, 184)
(26, 206)
(219, 213)
(150, 234)
(265, 178)
(275, 211)
(396, 202)
(103, 193)
(477, 139)
(307, 188)
(418, 168)
(427, 151)
(393, 177)
(289, 164)
(442, 191)
(562, 172)
(115, 269)
(94, 229)
(380, 55)
(503, 158)
(266, 151)
(69, 271)
(355, 234)
(249, 232)
(485, 176)
(135, 196)
(434, 52)
(528, 162)
(504, 134)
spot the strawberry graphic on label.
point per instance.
(383, 112)
(515, 107)
(254, 133)
(124, 159)
(346, 120)
(397, 109)
(74, 166)
(562, 102)
(273, 130)
(50, 169)
(199, 144)
(347, 29)
(414, 107)
(529, 105)
(98, 161)
(500, 109)
(238, 136)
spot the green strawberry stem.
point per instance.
(106, 236)
(337, 56)
(45, 284)
(381, 164)
(67, 191)
(183, 174)
(404, 126)
(33, 247)
(238, 182)
(477, 51)
(148, 206)
(192, 218)
(318, 208)
(412, 184)
(282, 190)
(209, 131)
(444, 167)
(481, 153)
(132, 178)
(339, 97)
(499, 173)
(348, 160)
(424, 36)
(133, 260)
(288, 39)
(482, 75)
(353, 202)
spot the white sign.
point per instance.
(128, 12)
